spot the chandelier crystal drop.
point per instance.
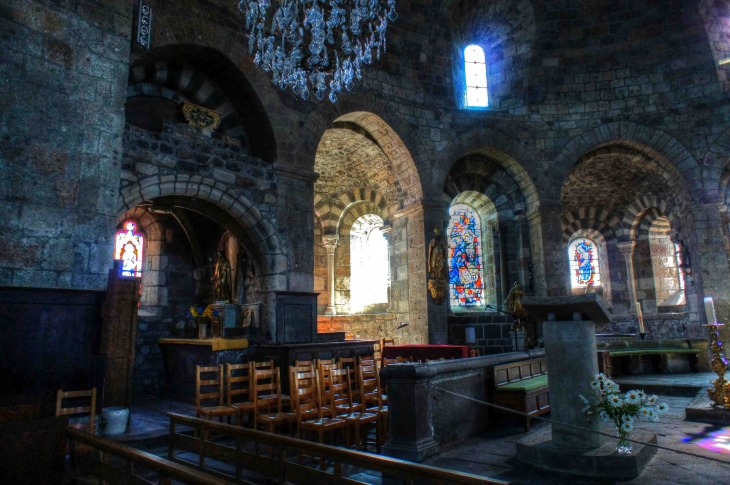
(313, 45)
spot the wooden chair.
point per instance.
(269, 364)
(343, 407)
(389, 361)
(90, 409)
(404, 359)
(323, 376)
(240, 385)
(350, 363)
(308, 408)
(266, 395)
(218, 410)
(372, 397)
(304, 363)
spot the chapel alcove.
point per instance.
(180, 254)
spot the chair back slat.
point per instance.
(306, 400)
(207, 394)
(90, 409)
(265, 390)
(340, 391)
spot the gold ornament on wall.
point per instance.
(200, 117)
(437, 261)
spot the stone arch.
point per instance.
(379, 121)
(181, 82)
(590, 219)
(514, 157)
(234, 212)
(635, 212)
(679, 165)
(245, 88)
(480, 174)
(330, 210)
(357, 209)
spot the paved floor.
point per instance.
(492, 454)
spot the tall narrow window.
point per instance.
(584, 264)
(476, 77)
(369, 264)
(128, 248)
(466, 278)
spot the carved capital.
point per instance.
(330, 243)
(626, 248)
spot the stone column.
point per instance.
(330, 243)
(550, 264)
(570, 348)
(386, 231)
(627, 251)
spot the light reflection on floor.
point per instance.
(713, 439)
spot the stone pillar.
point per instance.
(550, 263)
(330, 243)
(627, 251)
(434, 215)
(386, 231)
(570, 348)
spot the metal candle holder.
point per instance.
(720, 392)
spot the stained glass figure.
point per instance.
(466, 279)
(475, 67)
(128, 248)
(584, 268)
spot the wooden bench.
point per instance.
(667, 364)
(523, 386)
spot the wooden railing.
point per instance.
(102, 458)
(229, 452)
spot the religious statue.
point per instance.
(513, 303)
(248, 318)
(437, 284)
(222, 279)
(437, 256)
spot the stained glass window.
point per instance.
(476, 77)
(128, 247)
(466, 278)
(584, 267)
(369, 264)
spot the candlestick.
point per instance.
(641, 317)
(710, 311)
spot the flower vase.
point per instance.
(202, 330)
(623, 446)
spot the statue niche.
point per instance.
(437, 252)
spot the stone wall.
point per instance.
(371, 326)
(64, 74)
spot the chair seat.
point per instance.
(215, 411)
(244, 406)
(361, 417)
(323, 423)
(277, 418)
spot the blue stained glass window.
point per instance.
(128, 248)
(466, 277)
(584, 268)
(475, 67)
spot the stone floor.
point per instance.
(492, 454)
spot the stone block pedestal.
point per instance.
(539, 450)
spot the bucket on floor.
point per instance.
(114, 420)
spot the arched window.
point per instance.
(369, 265)
(466, 278)
(475, 68)
(128, 247)
(584, 263)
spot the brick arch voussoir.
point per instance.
(510, 154)
(669, 153)
(635, 212)
(356, 210)
(595, 218)
(229, 199)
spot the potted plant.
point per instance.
(609, 405)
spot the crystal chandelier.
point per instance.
(306, 43)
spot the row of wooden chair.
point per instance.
(322, 392)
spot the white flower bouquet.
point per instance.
(611, 406)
